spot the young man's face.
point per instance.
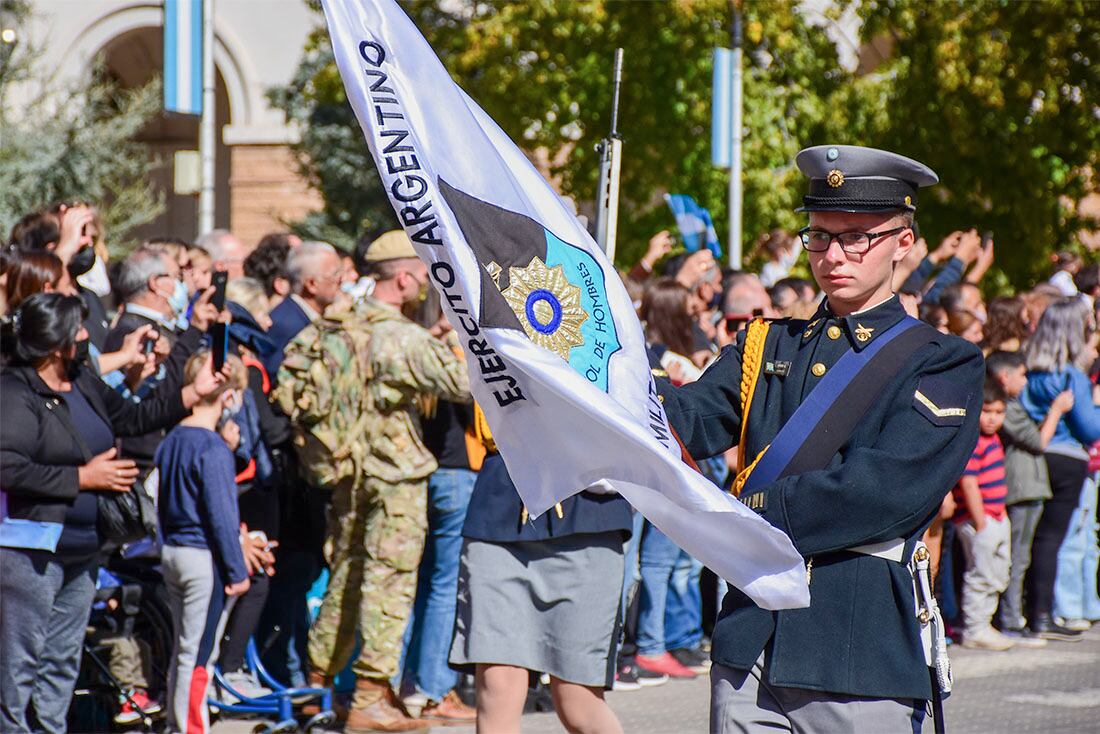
(858, 280)
(993, 417)
(1013, 380)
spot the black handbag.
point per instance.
(124, 517)
(121, 517)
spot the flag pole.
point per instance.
(610, 148)
(207, 138)
(736, 126)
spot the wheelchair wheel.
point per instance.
(319, 722)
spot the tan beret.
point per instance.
(393, 245)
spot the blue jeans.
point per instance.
(45, 601)
(684, 605)
(658, 560)
(431, 627)
(1075, 595)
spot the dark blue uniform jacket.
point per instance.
(496, 511)
(859, 636)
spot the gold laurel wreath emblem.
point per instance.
(835, 178)
(561, 337)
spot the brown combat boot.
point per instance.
(375, 708)
(450, 711)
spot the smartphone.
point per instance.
(219, 344)
(734, 322)
(987, 238)
(150, 343)
(218, 280)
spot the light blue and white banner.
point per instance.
(183, 56)
(721, 109)
(694, 222)
(556, 353)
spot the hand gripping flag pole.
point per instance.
(556, 354)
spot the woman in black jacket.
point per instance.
(57, 452)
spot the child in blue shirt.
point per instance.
(202, 561)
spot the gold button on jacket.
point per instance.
(834, 332)
(818, 369)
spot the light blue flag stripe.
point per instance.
(721, 110)
(183, 56)
(171, 34)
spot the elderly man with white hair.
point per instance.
(226, 250)
(315, 270)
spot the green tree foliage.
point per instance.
(1002, 99)
(998, 96)
(72, 144)
(542, 70)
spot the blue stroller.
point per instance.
(279, 704)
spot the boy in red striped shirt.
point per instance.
(982, 525)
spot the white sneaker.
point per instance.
(1077, 624)
(243, 683)
(414, 703)
(987, 639)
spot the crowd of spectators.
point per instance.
(123, 450)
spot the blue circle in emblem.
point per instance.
(555, 320)
(832, 154)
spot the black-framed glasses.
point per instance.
(856, 243)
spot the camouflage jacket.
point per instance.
(320, 387)
(351, 383)
(406, 363)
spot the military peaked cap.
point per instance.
(392, 245)
(851, 178)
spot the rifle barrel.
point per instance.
(617, 79)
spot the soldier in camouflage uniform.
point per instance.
(378, 519)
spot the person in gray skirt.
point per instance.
(540, 595)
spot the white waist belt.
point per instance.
(891, 550)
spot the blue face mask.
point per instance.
(179, 299)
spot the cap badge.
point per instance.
(863, 333)
(835, 179)
(908, 201)
(832, 154)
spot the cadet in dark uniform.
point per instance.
(852, 660)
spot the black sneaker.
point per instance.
(1048, 629)
(1023, 637)
(626, 679)
(693, 658)
(631, 677)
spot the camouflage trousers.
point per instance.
(376, 538)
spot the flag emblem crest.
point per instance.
(535, 282)
(548, 306)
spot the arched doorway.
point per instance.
(132, 59)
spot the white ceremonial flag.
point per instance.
(556, 353)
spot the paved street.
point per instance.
(1055, 690)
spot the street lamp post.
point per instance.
(207, 138)
(736, 126)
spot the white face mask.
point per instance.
(96, 279)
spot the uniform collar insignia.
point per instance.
(865, 326)
(810, 328)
